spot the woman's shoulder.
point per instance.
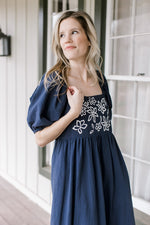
(48, 85)
(54, 81)
(47, 80)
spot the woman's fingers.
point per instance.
(75, 99)
(73, 89)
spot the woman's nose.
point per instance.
(68, 38)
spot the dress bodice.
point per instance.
(93, 119)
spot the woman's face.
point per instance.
(73, 40)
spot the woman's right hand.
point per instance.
(75, 100)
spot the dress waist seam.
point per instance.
(100, 134)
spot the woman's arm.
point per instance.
(50, 133)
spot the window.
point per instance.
(127, 69)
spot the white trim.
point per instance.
(108, 42)
(130, 118)
(133, 141)
(141, 205)
(128, 78)
(49, 34)
(36, 199)
(64, 4)
(89, 7)
(131, 40)
(128, 36)
(136, 159)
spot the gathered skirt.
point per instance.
(90, 182)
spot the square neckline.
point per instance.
(87, 96)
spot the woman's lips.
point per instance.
(70, 47)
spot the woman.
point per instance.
(72, 105)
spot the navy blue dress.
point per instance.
(89, 178)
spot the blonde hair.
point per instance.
(61, 68)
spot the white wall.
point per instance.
(18, 79)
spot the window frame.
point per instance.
(141, 204)
(42, 46)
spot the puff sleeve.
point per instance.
(45, 106)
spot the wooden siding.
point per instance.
(18, 79)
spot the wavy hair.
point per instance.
(61, 68)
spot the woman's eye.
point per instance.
(61, 35)
(74, 32)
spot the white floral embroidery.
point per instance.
(80, 124)
(98, 126)
(84, 108)
(105, 123)
(86, 104)
(92, 101)
(94, 109)
(93, 114)
(83, 111)
(91, 131)
(101, 105)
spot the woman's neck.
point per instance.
(79, 71)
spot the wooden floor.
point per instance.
(141, 218)
(17, 209)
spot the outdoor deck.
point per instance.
(17, 209)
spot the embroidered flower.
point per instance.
(91, 131)
(84, 108)
(106, 123)
(93, 114)
(86, 104)
(97, 116)
(101, 105)
(83, 111)
(80, 124)
(92, 101)
(98, 126)
(104, 101)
